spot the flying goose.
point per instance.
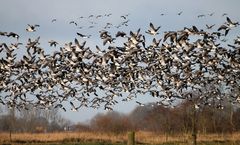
(53, 43)
(237, 40)
(210, 26)
(230, 23)
(211, 14)
(153, 30)
(54, 20)
(121, 34)
(83, 36)
(73, 22)
(12, 34)
(98, 16)
(200, 16)
(224, 27)
(139, 103)
(180, 13)
(73, 107)
(60, 106)
(90, 16)
(224, 14)
(32, 28)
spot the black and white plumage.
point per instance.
(32, 28)
(152, 30)
(168, 67)
(53, 43)
(83, 36)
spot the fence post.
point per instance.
(131, 138)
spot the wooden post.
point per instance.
(131, 138)
(12, 123)
(194, 129)
(10, 135)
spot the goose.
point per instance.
(107, 15)
(237, 40)
(73, 107)
(73, 22)
(196, 106)
(53, 43)
(32, 28)
(180, 13)
(79, 47)
(172, 35)
(153, 30)
(15, 45)
(60, 106)
(54, 20)
(104, 34)
(200, 16)
(121, 34)
(155, 43)
(109, 40)
(224, 27)
(108, 108)
(90, 16)
(210, 26)
(211, 14)
(83, 36)
(12, 34)
(224, 14)
(230, 23)
(139, 103)
(98, 16)
(124, 17)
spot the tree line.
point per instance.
(167, 120)
(34, 120)
(158, 119)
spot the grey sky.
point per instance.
(16, 14)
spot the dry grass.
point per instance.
(149, 137)
(143, 137)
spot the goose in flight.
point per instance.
(73, 107)
(153, 30)
(53, 43)
(32, 28)
(54, 20)
(73, 22)
(12, 34)
(180, 13)
(139, 103)
(230, 23)
(224, 27)
(210, 26)
(83, 36)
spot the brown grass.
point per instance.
(143, 137)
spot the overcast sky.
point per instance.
(16, 14)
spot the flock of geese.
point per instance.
(186, 64)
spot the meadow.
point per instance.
(90, 138)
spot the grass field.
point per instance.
(88, 143)
(90, 138)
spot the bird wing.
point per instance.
(223, 27)
(229, 20)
